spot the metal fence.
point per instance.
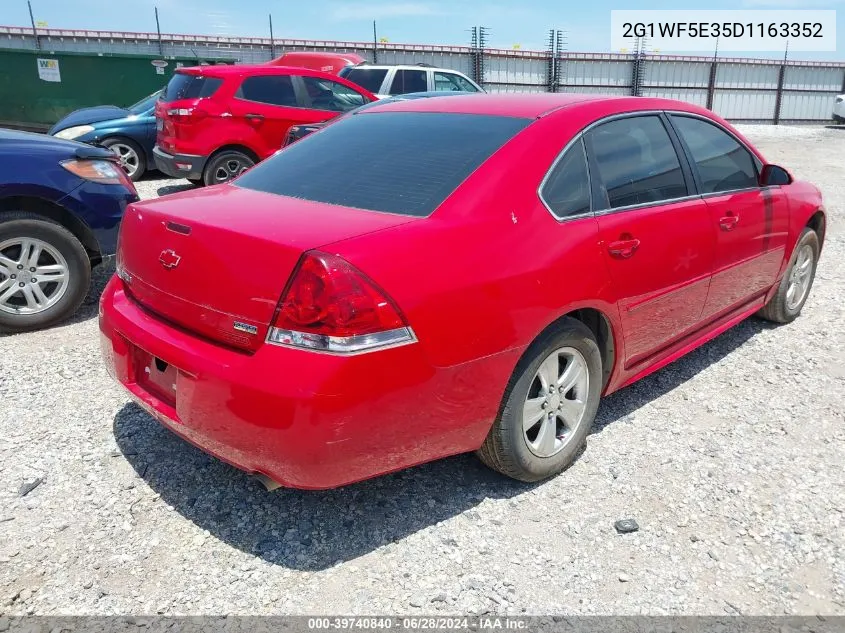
(746, 89)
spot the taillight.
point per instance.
(331, 306)
(186, 115)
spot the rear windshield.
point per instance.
(368, 78)
(398, 162)
(184, 86)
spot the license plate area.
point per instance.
(156, 376)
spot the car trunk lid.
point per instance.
(216, 261)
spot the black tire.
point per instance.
(232, 162)
(141, 168)
(18, 224)
(506, 448)
(780, 309)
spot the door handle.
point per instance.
(256, 118)
(623, 248)
(729, 221)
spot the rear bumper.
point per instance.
(304, 419)
(188, 166)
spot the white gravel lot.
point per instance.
(731, 461)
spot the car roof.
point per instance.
(227, 70)
(528, 105)
(407, 67)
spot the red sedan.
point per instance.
(439, 276)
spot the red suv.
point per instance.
(214, 122)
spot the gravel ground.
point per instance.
(730, 460)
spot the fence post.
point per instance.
(375, 44)
(158, 30)
(779, 97)
(479, 42)
(552, 63)
(638, 68)
(34, 30)
(711, 84)
(272, 42)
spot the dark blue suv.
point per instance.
(61, 204)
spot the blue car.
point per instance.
(61, 203)
(128, 132)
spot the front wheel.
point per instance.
(549, 407)
(226, 166)
(44, 272)
(786, 304)
(130, 155)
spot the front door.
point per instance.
(750, 223)
(657, 239)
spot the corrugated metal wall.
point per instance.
(738, 89)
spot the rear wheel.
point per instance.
(226, 166)
(44, 272)
(794, 288)
(550, 405)
(131, 156)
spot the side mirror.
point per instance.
(774, 175)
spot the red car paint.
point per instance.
(200, 126)
(477, 281)
(325, 62)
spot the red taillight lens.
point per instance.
(330, 305)
(186, 115)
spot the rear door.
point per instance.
(750, 222)
(654, 232)
(266, 106)
(407, 80)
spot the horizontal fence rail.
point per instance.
(739, 89)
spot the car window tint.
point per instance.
(406, 81)
(184, 86)
(369, 79)
(397, 162)
(636, 161)
(450, 82)
(270, 89)
(723, 163)
(324, 94)
(567, 189)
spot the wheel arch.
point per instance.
(243, 149)
(59, 214)
(818, 222)
(602, 327)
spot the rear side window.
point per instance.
(451, 82)
(184, 86)
(397, 162)
(368, 78)
(567, 188)
(723, 164)
(405, 81)
(270, 89)
(324, 94)
(636, 161)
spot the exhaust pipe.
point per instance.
(268, 483)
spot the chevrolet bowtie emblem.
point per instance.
(169, 259)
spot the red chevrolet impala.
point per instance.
(439, 276)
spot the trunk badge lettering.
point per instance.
(245, 327)
(169, 259)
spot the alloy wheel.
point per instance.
(129, 160)
(33, 276)
(556, 401)
(800, 277)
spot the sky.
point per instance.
(511, 22)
